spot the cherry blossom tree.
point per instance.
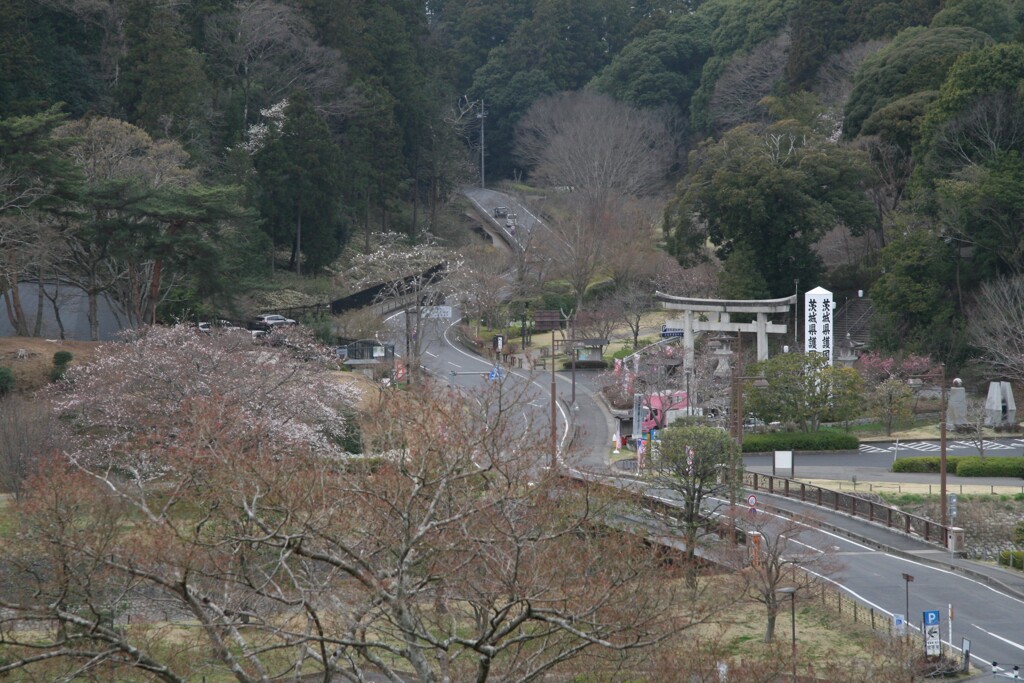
(449, 555)
(130, 396)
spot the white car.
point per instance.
(217, 326)
(271, 320)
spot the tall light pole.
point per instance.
(792, 615)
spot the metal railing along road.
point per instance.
(855, 506)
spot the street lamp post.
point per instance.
(792, 615)
(908, 578)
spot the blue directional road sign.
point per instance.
(496, 373)
(931, 617)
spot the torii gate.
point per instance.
(718, 312)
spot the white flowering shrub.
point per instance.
(127, 406)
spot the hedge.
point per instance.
(927, 464)
(990, 467)
(824, 440)
(964, 466)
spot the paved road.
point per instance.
(988, 601)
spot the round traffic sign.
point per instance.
(751, 500)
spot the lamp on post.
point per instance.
(908, 578)
(791, 592)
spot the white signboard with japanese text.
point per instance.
(818, 322)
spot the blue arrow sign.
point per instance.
(931, 617)
(496, 373)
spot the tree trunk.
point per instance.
(366, 225)
(154, 292)
(21, 328)
(56, 307)
(769, 631)
(37, 330)
(415, 197)
(297, 255)
(94, 320)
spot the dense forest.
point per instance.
(168, 154)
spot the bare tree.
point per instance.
(746, 81)
(481, 286)
(997, 325)
(446, 558)
(271, 50)
(777, 558)
(586, 141)
(579, 244)
(27, 432)
(834, 81)
(973, 429)
(633, 301)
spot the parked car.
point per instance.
(500, 211)
(268, 321)
(219, 325)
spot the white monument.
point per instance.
(1000, 408)
(818, 307)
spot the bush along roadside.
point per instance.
(823, 440)
(964, 466)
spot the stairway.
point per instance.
(854, 318)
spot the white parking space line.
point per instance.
(920, 446)
(867, 448)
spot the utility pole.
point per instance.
(796, 313)
(482, 115)
(554, 415)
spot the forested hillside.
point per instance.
(169, 154)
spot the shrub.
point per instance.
(6, 381)
(928, 464)
(1012, 558)
(60, 365)
(824, 440)
(990, 467)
